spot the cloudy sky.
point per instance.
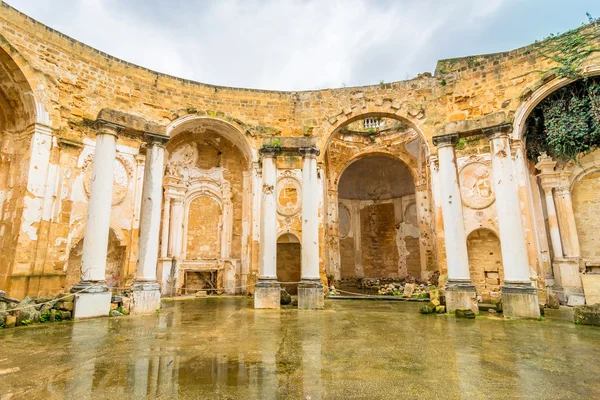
(304, 44)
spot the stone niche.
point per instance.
(205, 172)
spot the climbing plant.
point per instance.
(570, 49)
(566, 124)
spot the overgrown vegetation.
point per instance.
(570, 50)
(566, 125)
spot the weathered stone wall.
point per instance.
(485, 260)
(288, 265)
(52, 86)
(203, 238)
(586, 206)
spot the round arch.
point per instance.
(230, 131)
(381, 153)
(28, 108)
(401, 116)
(525, 109)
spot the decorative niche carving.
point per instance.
(476, 185)
(122, 177)
(289, 196)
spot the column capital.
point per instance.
(498, 131)
(104, 127)
(155, 139)
(448, 139)
(309, 152)
(269, 151)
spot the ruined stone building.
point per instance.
(116, 176)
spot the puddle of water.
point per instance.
(222, 348)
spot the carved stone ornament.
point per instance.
(289, 195)
(476, 186)
(122, 178)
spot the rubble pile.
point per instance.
(43, 309)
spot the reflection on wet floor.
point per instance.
(222, 348)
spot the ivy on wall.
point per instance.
(566, 124)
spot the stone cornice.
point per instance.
(497, 131)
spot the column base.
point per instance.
(91, 304)
(267, 295)
(91, 299)
(520, 302)
(461, 295)
(145, 297)
(311, 295)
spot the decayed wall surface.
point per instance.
(52, 87)
(586, 204)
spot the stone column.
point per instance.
(164, 241)
(519, 297)
(170, 273)
(460, 292)
(145, 289)
(570, 274)
(267, 291)
(95, 300)
(310, 291)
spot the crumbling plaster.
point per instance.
(62, 85)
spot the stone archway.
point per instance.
(378, 157)
(114, 262)
(380, 238)
(289, 261)
(207, 186)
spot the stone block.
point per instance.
(145, 301)
(285, 298)
(520, 302)
(575, 299)
(90, 305)
(66, 306)
(267, 295)
(64, 315)
(66, 297)
(201, 293)
(461, 296)
(11, 321)
(591, 288)
(126, 304)
(587, 315)
(553, 301)
(311, 296)
(464, 313)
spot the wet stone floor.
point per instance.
(221, 348)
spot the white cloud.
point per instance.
(273, 44)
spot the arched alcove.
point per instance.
(289, 267)
(114, 262)
(380, 232)
(485, 261)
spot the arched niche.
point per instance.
(379, 237)
(289, 268)
(485, 261)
